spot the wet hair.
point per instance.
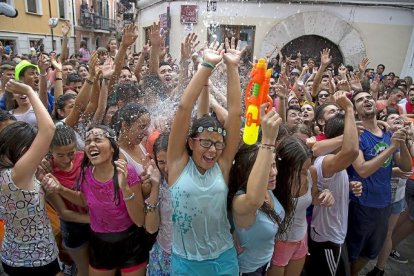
(61, 102)
(115, 156)
(239, 176)
(293, 108)
(126, 91)
(163, 63)
(15, 139)
(160, 144)
(126, 68)
(205, 122)
(67, 63)
(83, 65)
(335, 126)
(74, 77)
(101, 51)
(6, 116)
(301, 128)
(291, 155)
(64, 135)
(129, 114)
(389, 110)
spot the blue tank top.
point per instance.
(201, 230)
(259, 239)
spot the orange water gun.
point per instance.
(260, 81)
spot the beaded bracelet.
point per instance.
(208, 64)
(268, 147)
(150, 207)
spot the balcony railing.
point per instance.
(95, 21)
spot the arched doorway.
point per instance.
(310, 46)
(322, 24)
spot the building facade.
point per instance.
(31, 29)
(381, 30)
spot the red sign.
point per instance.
(188, 14)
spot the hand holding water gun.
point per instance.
(260, 81)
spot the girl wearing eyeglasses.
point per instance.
(198, 173)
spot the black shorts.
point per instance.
(50, 269)
(367, 230)
(74, 235)
(327, 259)
(121, 250)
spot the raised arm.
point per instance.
(65, 31)
(325, 60)
(129, 36)
(177, 155)
(203, 102)
(25, 168)
(156, 41)
(44, 65)
(102, 102)
(187, 47)
(58, 77)
(245, 206)
(334, 163)
(84, 95)
(233, 124)
(141, 59)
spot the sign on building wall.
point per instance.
(188, 14)
(164, 21)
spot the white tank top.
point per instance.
(299, 225)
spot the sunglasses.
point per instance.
(323, 96)
(205, 143)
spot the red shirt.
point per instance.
(69, 179)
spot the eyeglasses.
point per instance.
(205, 143)
(323, 95)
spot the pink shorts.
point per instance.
(289, 250)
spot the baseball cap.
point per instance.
(22, 65)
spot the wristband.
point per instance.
(150, 207)
(130, 197)
(268, 147)
(208, 64)
(89, 81)
(56, 79)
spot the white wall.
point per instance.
(386, 32)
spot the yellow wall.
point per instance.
(31, 23)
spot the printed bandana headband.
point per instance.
(212, 129)
(101, 133)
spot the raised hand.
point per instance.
(93, 62)
(374, 87)
(146, 49)
(325, 57)
(214, 54)
(15, 87)
(269, 123)
(355, 82)
(155, 36)
(188, 45)
(107, 68)
(122, 170)
(66, 26)
(56, 63)
(362, 66)
(343, 101)
(130, 34)
(43, 62)
(233, 54)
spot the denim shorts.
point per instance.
(367, 229)
(409, 198)
(397, 207)
(74, 235)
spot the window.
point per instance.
(34, 6)
(62, 9)
(243, 33)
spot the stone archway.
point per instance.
(322, 24)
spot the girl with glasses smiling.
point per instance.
(198, 173)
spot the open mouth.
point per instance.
(167, 78)
(23, 97)
(208, 159)
(94, 154)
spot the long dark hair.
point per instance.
(15, 139)
(160, 144)
(291, 154)
(239, 176)
(110, 135)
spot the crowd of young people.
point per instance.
(141, 160)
